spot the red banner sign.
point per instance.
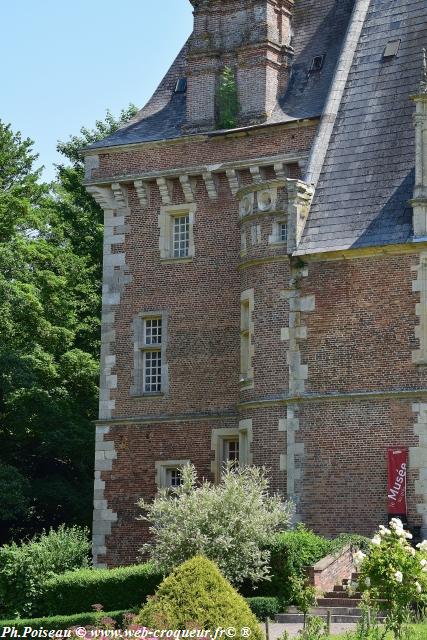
(396, 490)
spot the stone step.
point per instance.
(338, 602)
(342, 594)
(323, 611)
(340, 616)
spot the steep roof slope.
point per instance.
(368, 175)
(319, 28)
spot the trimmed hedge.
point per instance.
(264, 607)
(65, 622)
(76, 591)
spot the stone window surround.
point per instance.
(244, 432)
(163, 466)
(275, 238)
(165, 222)
(248, 297)
(137, 389)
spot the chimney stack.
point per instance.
(251, 37)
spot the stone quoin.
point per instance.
(265, 286)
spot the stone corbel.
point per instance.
(109, 198)
(165, 195)
(210, 184)
(233, 180)
(141, 189)
(300, 196)
(187, 188)
(280, 170)
(256, 174)
(120, 195)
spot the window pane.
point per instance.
(153, 331)
(152, 371)
(231, 451)
(283, 232)
(174, 478)
(181, 236)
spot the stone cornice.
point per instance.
(180, 417)
(197, 170)
(333, 397)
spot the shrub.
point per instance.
(65, 622)
(231, 523)
(227, 100)
(395, 573)
(264, 607)
(291, 552)
(197, 595)
(24, 567)
(77, 591)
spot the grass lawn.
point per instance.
(419, 633)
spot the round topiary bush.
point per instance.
(196, 595)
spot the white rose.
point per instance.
(398, 576)
(423, 562)
(358, 558)
(411, 551)
(396, 523)
(422, 546)
(376, 540)
(408, 535)
(418, 587)
(384, 531)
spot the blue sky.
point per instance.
(64, 62)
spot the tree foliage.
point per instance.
(232, 523)
(50, 284)
(227, 100)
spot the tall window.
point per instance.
(246, 332)
(231, 445)
(231, 452)
(152, 350)
(283, 232)
(180, 236)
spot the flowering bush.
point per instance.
(394, 573)
(232, 523)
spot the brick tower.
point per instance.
(264, 294)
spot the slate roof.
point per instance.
(319, 28)
(368, 175)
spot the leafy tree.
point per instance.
(50, 299)
(232, 523)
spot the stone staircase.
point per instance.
(342, 607)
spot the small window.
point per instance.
(152, 355)
(181, 85)
(283, 232)
(317, 64)
(173, 477)
(391, 49)
(169, 473)
(231, 450)
(176, 240)
(180, 236)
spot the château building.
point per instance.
(265, 265)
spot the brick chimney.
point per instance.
(252, 37)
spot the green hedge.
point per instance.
(291, 553)
(264, 607)
(76, 591)
(65, 622)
